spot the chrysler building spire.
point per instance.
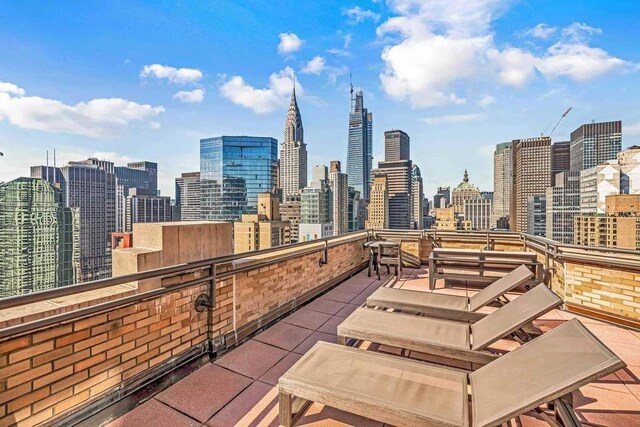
(293, 151)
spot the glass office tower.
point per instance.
(233, 170)
(39, 238)
(360, 147)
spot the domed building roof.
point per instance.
(464, 185)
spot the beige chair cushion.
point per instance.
(405, 331)
(500, 287)
(403, 299)
(546, 368)
(513, 316)
(396, 389)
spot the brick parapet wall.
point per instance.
(47, 374)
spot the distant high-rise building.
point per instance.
(378, 210)
(417, 198)
(233, 171)
(563, 204)
(439, 201)
(560, 158)
(617, 227)
(262, 230)
(338, 181)
(593, 144)
(320, 173)
(357, 209)
(398, 191)
(293, 152)
(143, 176)
(315, 211)
(396, 146)
(290, 212)
(188, 196)
(445, 192)
(39, 238)
(448, 219)
(531, 173)
(360, 147)
(537, 215)
(502, 181)
(90, 186)
(479, 212)
(463, 192)
(145, 208)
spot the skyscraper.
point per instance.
(378, 212)
(563, 204)
(293, 152)
(417, 198)
(445, 192)
(360, 146)
(233, 170)
(315, 211)
(188, 196)
(398, 191)
(396, 145)
(90, 186)
(145, 208)
(142, 176)
(531, 177)
(560, 158)
(593, 144)
(39, 238)
(338, 182)
(463, 192)
(262, 230)
(502, 181)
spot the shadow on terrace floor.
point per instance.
(239, 388)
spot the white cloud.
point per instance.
(486, 100)
(155, 125)
(632, 130)
(193, 96)
(452, 118)
(261, 101)
(358, 14)
(315, 65)
(172, 74)
(432, 48)
(339, 52)
(95, 118)
(11, 89)
(541, 31)
(347, 41)
(289, 43)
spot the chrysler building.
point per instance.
(293, 152)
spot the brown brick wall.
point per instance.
(47, 372)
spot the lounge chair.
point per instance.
(453, 307)
(453, 340)
(405, 392)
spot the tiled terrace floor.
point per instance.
(239, 388)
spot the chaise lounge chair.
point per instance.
(405, 392)
(454, 340)
(451, 307)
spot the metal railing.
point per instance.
(211, 266)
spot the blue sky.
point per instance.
(133, 80)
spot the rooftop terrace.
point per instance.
(107, 353)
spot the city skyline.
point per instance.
(155, 81)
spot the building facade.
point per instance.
(139, 179)
(594, 144)
(357, 210)
(233, 171)
(339, 184)
(290, 212)
(537, 215)
(315, 212)
(399, 185)
(531, 173)
(293, 152)
(262, 230)
(502, 181)
(396, 146)
(378, 209)
(90, 186)
(560, 158)
(417, 198)
(618, 227)
(479, 212)
(448, 219)
(360, 146)
(563, 204)
(188, 196)
(145, 208)
(39, 238)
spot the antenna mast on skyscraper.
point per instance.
(351, 92)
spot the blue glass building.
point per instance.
(360, 149)
(233, 170)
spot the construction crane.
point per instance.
(557, 123)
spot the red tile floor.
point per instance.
(239, 388)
